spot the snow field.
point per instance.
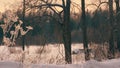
(50, 56)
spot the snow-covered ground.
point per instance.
(50, 56)
(115, 63)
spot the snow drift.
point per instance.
(115, 63)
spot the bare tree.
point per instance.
(117, 24)
(84, 27)
(23, 18)
(111, 39)
(64, 20)
(66, 31)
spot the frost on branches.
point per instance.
(11, 27)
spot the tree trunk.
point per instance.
(1, 35)
(117, 25)
(23, 37)
(85, 40)
(111, 40)
(67, 33)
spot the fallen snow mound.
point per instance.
(115, 63)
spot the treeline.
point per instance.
(67, 27)
(49, 29)
(53, 26)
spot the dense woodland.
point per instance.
(68, 26)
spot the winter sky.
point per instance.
(10, 4)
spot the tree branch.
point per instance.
(97, 6)
(47, 4)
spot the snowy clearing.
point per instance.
(50, 56)
(115, 63)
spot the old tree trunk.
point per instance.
(67, 32)
(111, 40)
(23, 18)
(84, 28)
(117, 24)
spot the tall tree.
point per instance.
(84, 27)
(111, 39)
(117, 24)
(64, 20)
(23, 18)
(67, 32)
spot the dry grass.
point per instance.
(33, 54)
(50, 54)
(99, 51)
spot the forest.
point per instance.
(65, 22)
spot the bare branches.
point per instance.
(48, 5)
(74, 7)
(97, 6)
(53, 7)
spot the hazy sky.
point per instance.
(9, 4)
